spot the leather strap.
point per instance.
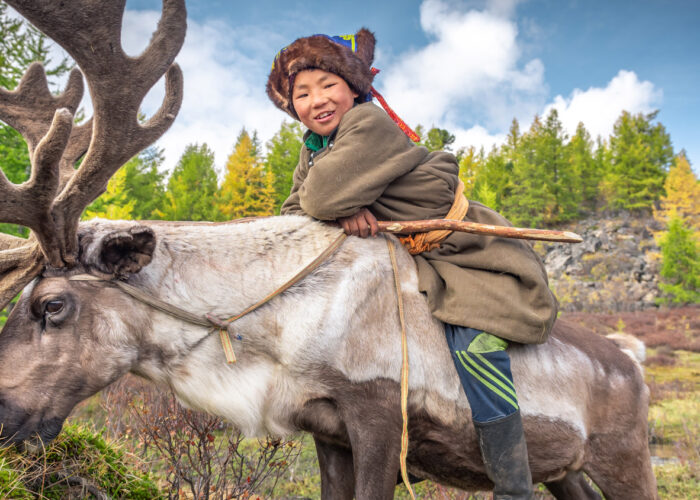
(424, 242)
(404, 371)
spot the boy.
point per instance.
(357, 166)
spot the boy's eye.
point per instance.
(299, 96)
(329, 85)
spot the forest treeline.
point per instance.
(539, 177)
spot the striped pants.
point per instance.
(484, 369)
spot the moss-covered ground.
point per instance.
(78, 464)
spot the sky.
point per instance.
(469, 66)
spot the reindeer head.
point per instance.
(65, 340)
(40, 338)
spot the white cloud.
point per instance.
(469, 72)
(477, 137)
(223, 92)
(598, 108)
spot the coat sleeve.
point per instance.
(368, 153)
(291, 205)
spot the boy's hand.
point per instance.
(362, 224)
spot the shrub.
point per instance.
(192, 454)
(680, 269)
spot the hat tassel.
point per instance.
(402, 125)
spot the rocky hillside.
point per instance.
(614, 269)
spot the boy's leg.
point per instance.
(484, 369)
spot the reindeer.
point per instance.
(323, 357)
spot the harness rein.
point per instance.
(213, 322)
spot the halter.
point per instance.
(208, 319)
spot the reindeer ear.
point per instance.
(126, 252)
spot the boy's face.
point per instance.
(321, 99)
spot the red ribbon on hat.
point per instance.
(402, 125)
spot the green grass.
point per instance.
(674, 413)
(671, 420)
(79, 460)
(677, 482)
(674, 420)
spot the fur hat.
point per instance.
(348, 56)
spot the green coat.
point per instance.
(498, 285)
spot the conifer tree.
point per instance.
(434, 139)
(544, 187)
(282, 157)
(562, 175)
(583, 167)
(640, 156)
(145, 184)
(191, 187)
(114, 203)
(438, 139)
(512, 140)
(602, 164)
(682, 198)
(493, 184)
(247, 189)
(470, 165)
(531, 199)
(680, 269)
(135, 192)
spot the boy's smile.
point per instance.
(321, 99)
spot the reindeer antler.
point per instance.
(31, 110)
(53, 199)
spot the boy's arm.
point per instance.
(291, 205)
(368, 153)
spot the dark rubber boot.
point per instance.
(504, 451)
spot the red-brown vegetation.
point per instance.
(196, 454)
(677, 328)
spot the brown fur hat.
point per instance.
(349, 57)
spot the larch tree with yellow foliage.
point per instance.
(247, 190)
(682, 196)
(114, 204)
(469, 167)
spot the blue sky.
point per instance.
(468, 66)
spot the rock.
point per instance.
(557, 263)
(619, 252)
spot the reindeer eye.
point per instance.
(53, 306)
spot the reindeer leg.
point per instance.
(372, 416)
(621, 466)
(573, 486)
(337, 475)
(376, 462)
